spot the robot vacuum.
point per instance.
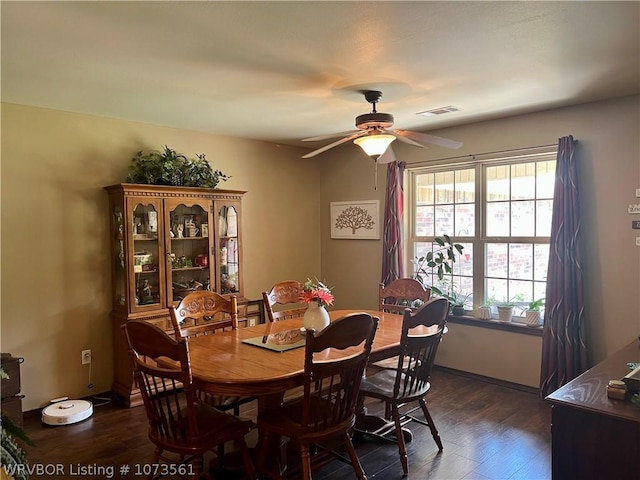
(63, 411)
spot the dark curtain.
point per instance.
(564, 353)
(392, 246)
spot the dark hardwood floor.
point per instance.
(488, 432)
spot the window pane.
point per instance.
(496, 260)
(521, 261)
(465, 220)
(523, 184)
(424, 221)
(424, 188)
(444, 187)
(464, 262)
(444, 220)
(498, 219)
(522, 219)
(544, 211)
(497, 183)
(545, 179)
(540, 262)
(496, 289)
(465, 185)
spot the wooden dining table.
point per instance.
(223, 364)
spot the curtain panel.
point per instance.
(564, 352)
(392, 244)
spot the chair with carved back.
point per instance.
(418, 348)
(204, 313)
(182, 429)
(283, 301)
(401, 294)
(335, 359)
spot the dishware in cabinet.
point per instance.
(188, 251)
(228, 244)
(137, 254)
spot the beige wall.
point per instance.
(55, 274)
(609, 151)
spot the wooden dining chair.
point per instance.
(409, 382)
(335, 360)
(204, 313)
(401, 294)
(283, 301)
(179, 426)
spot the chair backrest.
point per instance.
(170, 409)
(335, 360)
(418, 347)
(283, 301)
(401, 294)
(204, 312)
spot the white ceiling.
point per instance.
(282, 71)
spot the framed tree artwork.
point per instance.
(355, 220)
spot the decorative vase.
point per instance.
(484, 313)
(315, 317)
(505, 313)
(457, 310)
(532, 317)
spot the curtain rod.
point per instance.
(474, 155)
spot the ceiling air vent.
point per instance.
(439, 111)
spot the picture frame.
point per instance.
(355, 220)
(204, 227)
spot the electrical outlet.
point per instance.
(86, 357)
(637, 192)
(637, 241)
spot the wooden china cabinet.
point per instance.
(166, 242)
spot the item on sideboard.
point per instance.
(179, 230)
(632, 380)
(191, 230)
(205, 229)
(616, 389)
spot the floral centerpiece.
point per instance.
(317, 292)
(317, 295)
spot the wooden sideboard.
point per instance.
(593, 436)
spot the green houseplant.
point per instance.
(532, 313)
(440, 263)
(171, 168)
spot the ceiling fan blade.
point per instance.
(426, 138)
(402, 138)
(388, 156)
(327, 137)
(334, 144)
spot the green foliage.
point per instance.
(440, 263)
(535, 305)
(171, 168)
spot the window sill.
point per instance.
(496, 325)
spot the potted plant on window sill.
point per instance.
(532, 313)
(484, 310)
(505, 311)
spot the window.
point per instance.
(500, 210)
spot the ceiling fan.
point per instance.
(374, 135)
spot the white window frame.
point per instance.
(480, 239)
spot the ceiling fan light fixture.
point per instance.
(374, 144)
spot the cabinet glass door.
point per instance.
(146, 291)
(189, 257)
(228, 254)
